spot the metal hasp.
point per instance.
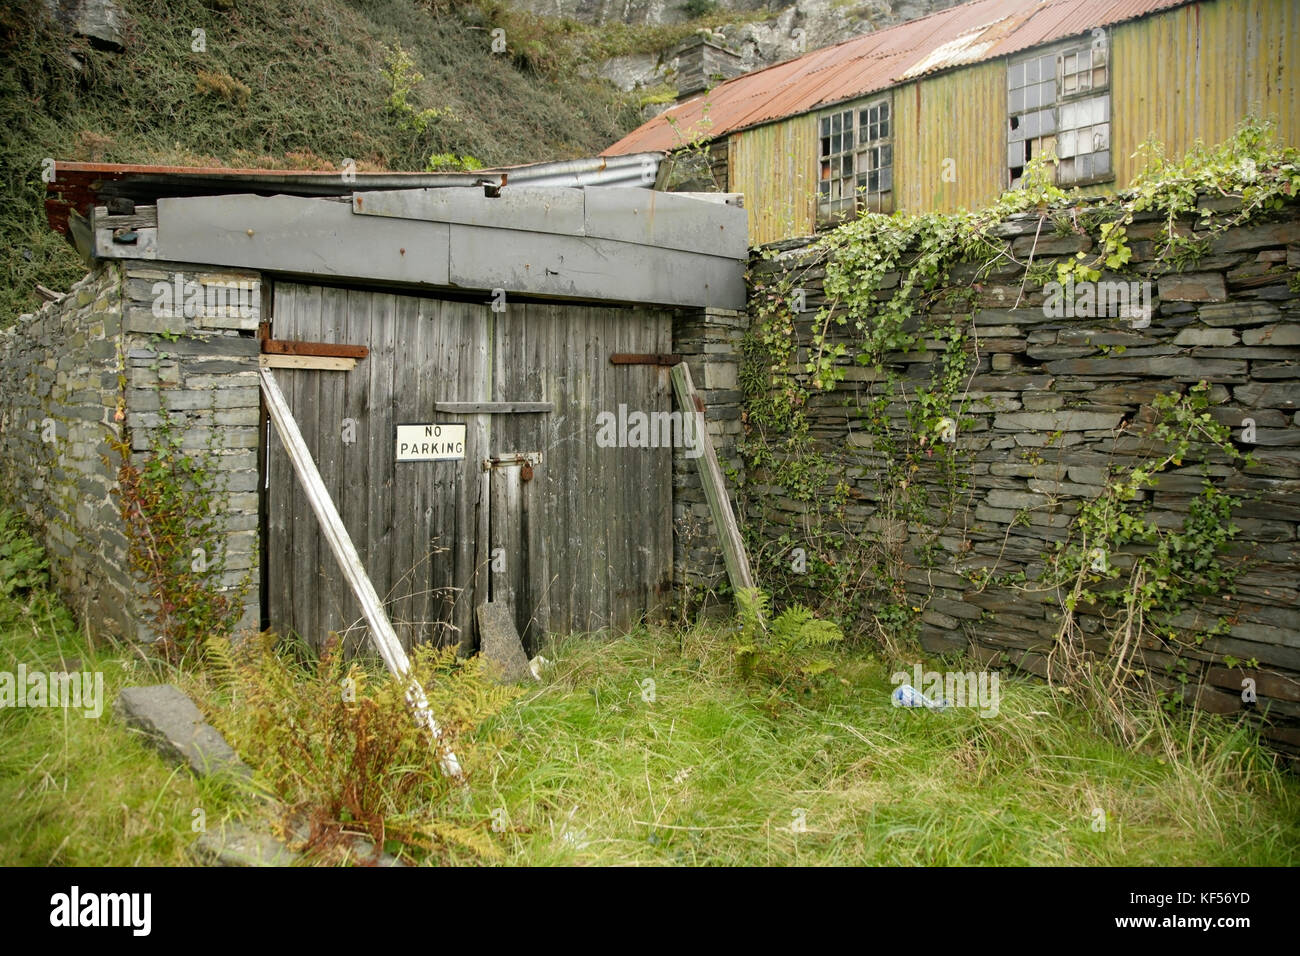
(382, 634)
(525, 459)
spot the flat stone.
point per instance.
(236, 845)
(1220, 337)
(1266, 684)
(1059, 351)
(175, 728)
(1014, 500)
(1238, 313)
(1049, 245)
(1067, 420)
(1272, 335)
(499, 642)
(1284, 395)
(99, 20)
(1180, 368)
(1257, 237)
(1193, 287)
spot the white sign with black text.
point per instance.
(434, 442)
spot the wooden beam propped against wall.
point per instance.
(715, 488)
(382, 634)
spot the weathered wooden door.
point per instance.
(577, 537)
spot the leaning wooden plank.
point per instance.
(381, 629)
(715, 489)
(320, 363)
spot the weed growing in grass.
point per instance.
(23, 565)
(169, 506)
(336, 741)
(789, 652)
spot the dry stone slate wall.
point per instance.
(1053, 405)
(112, 361)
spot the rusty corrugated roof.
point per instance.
(969, 33)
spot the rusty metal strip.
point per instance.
(644, 358)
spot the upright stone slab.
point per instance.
(499, 642)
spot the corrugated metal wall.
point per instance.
(1194, 72)
(958, 116)
(1191, 73)
(775, 166)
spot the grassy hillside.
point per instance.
(296, 83)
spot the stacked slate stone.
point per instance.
(1055, 405)
(98, 366)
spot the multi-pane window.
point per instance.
(856, 160)
(1058, 102)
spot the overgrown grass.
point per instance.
(79, 790)
(596, 774)
(643, 750)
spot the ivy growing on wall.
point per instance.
(898, 286)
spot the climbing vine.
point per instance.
(176, 544)
(890, 348)
(1137, 575)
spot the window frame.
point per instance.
(848, 193)
(1032, 121)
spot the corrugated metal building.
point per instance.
(942, 112)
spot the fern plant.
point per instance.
(793, 645)
(334, 738)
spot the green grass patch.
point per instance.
(80, 790)
(649, 749)
(704, 774)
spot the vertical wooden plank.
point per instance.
(279, 503)
(476, 322)
(307, 554)
(354, 455)
(332, 588)
(406, 475)
(379, 432)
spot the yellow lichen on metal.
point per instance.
(1195, 72)
(775, 166)
(949, 140)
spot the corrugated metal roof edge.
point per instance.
(936, 71)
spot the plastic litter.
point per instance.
(909, 696)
